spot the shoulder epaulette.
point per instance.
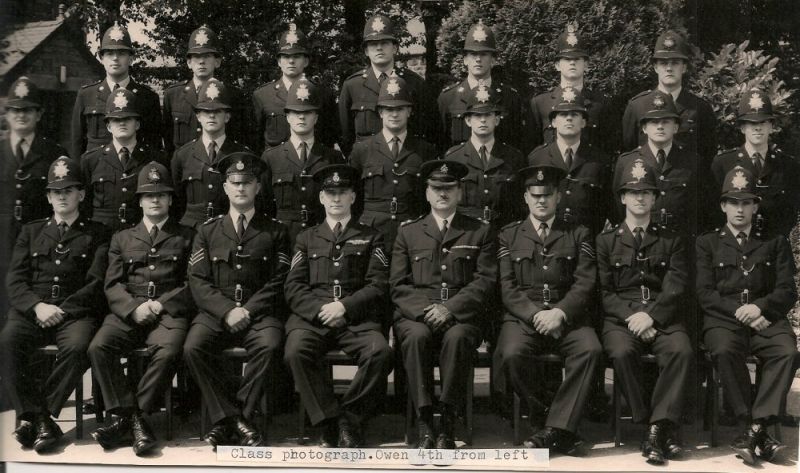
(610, 230)
(726, 151)
(212, 219)
(178, 84)
(266, 84)
(512, 224)
(357, 73)
(641, 94)
(450, 86)
(412, 220)
(38, 220)
(93, 83)
(453, 149)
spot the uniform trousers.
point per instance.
(18, 340)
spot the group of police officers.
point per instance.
(192, 244)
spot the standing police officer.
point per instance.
(336, 290)
(547, 284)
(388, 164)
(480, 56)
(572, 60)
(288, 187)
(110, 171)
(236, 273)
(269, 100)
(443, 270)
(55, 284)
(150, 301)
(88, 122)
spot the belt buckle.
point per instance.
(444, 294)
(759, 223)
(151, 290)
(237, 293)
(55, 291)
(393, 207)
(546, 294)
(210, 210)
(487, 213)
(121, 213)
(744, 297)
(337, 292)
(304, 215)
(18, 212)
(645, 294)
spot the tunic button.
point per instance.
(394, 181)
(569, 192)
(238, 304)
(151, 267)
(394, 217)
(210, 169)
(336, 281)
(641, 255)
(239, 247)
(396, 165)
(444, 284)
(19, 186)
(19, 202)
(567, 210)
(545, 267)
(662, 177)
(238, 266)
(744, 257)
(303, 206)
(124, 176)
(55, 279)
(124, 189)
(59, 246)
(336, 263)
(303, 188)
(152, 250)
(720, 264)
(663, 193)
(444, 267)
(485, 176)
(211, 186)
(338, 247)
(58, 261)
(486, 191)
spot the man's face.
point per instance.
(203, 65)
(443, 198)
(479, 64)
(482, 124)
(380, 53)
(213, 121)
(302, 123)
(660, 131)
(241, 190)
(572, 68)
(155, 205)
(670, 71)
(756, 133)
(23, 120)
(123, 128)
(292, 65)
(739, 212)
(337, 201)
(395, 119)
(638, 202)
(568, 124)
(117, 62)
(65, 201)
(542, 206)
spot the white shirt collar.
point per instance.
(440, 221)
(377, 73)
(666, 149)
(562, 147)
(332, 223)
(295, 140)
(578, 87)
(14, 140)
(489, 145)
(118, 146)
(148, 224)
(198, 83)
(123, 83)
(388, 135)
(248, 216)
(287, 84)
(736, 232)
(675, 93)
(537, 223)
(207, 141)
(57, 219)
(751, 150)
(473, 82)
(632, 226)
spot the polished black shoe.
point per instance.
(425, 435)
(671, 445)
(115, 435)
(220, 434)
(569, 443)
(348, 433)
(25, 434)
(652, 446)
(249, 436)
(330, 435)
(546, 437)
(445, 442)
(769, 449)
(143, 437)
(745, 444)
(47, 433)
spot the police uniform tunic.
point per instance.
(180, 121)
(486, 188)
(352, 269)
(458, 271)
(537, 275)
(140, 270)
(778, 185)
(391, 189)
(66, 272)
(88, 117)
(453, 102)
(288, 188)
(225, 273)
(652, 279)
(586, 197)
(199, 195)
(111, 187)
(729, 275)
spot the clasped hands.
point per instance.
(438, 317)
(750, 315)
(147, 312)
(549, 322)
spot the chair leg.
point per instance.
(617, 412)
(469, 398)
(264, 414)
(517, 420)
(410, 415)
(99, 405)
(168, 408)
(714, 393)
(79, 409)
(203, 419)
(301, 422)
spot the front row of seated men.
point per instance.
(246, 288)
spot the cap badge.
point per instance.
(482, 94)
(336, 177)
(638, 172)
(21, 90)
(669, 43)
(240, 165)
(60, 170)
(302, 92)
(569, 95)
(393, 88)
(201, 38)
(572, 39)
(572, 28)
(444, 169)
(116, 33)
(154, 175)
(212, 92)
(755, 102)
(739, 180)
(120, 101)
(291, 36)
(479, 34)
(378, 25)
(658, 102)
(540, 176)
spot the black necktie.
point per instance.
(757, 163)
(62, 229)
(20, 152)
(212, 151)
(637, 236)
(303, 152)
(116, 86)
(444, 228)
(382, 77)
(484, 157)
(742, 237)
(660, 157)
(240, 226)
(395, 148)
(568, 158)
(337, 230)
(543, 231)
(153, 233)
(124, 155)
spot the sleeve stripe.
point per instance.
(296, 259)
(378, 253)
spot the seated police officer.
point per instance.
(55, 284)
(643, 276)
(335, 290)
(149, 300)
(443, 270)
(547, 283)
(236, 273)
(745, 286)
